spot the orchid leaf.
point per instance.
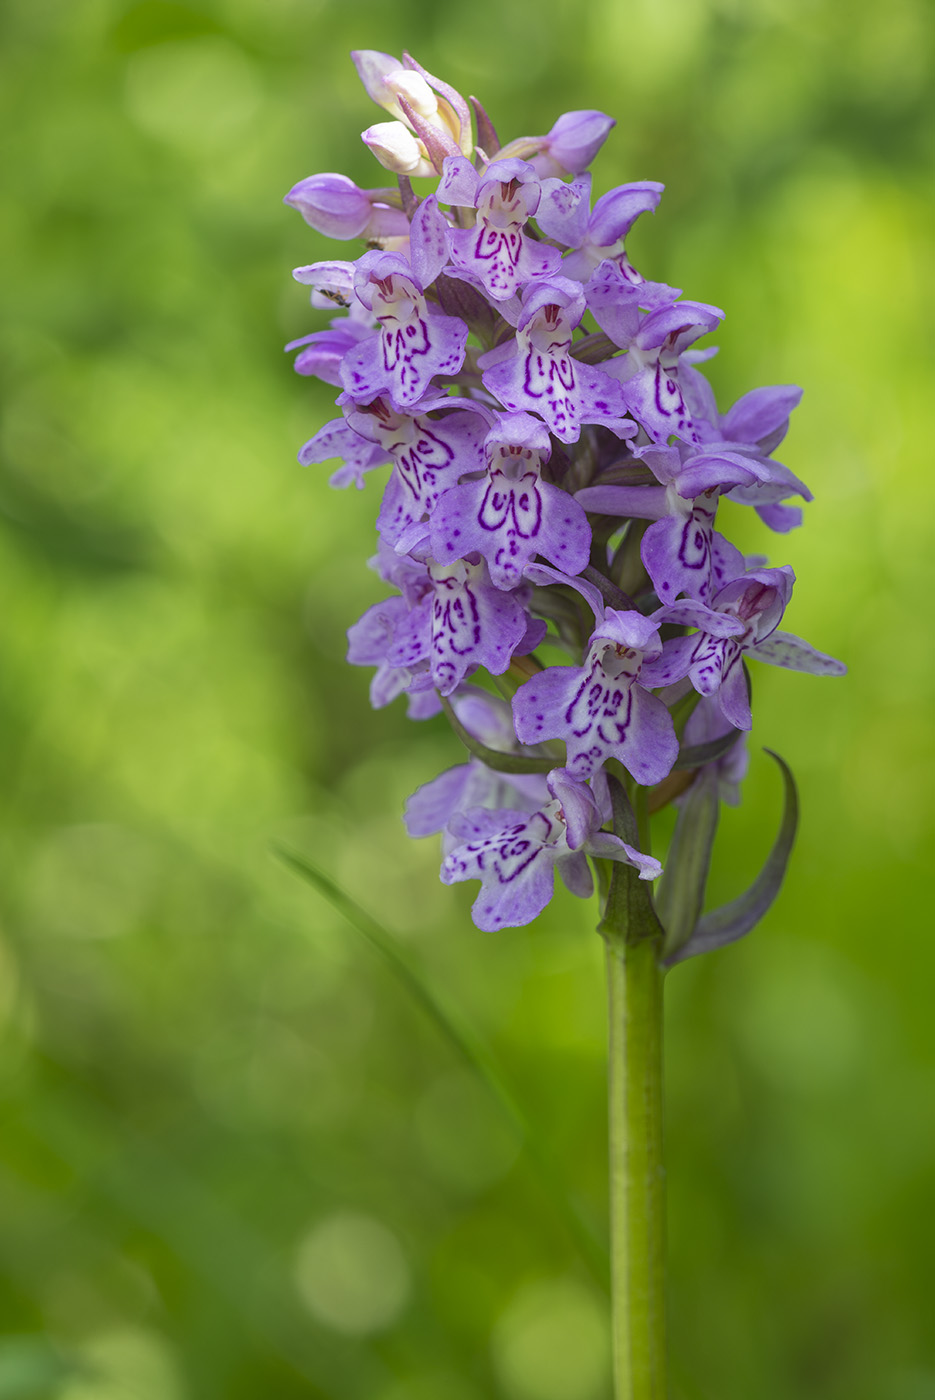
(733, 920)
(682, 888)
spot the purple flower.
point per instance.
(451, 621)
(496, 253)
(649, 371)
(742, 620)
(572, 143)
(474, 624)
(429, 455)
(334, 205)
(681, 551)
(597, 235)
(412, 346)
(538, 374)
(603, 709)
(510, 514)
(514, 854)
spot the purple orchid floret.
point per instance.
(741, 621)
(335, 206)
(572, 143)
(358, 455)
(413, 344)
(599, 234)
(510, 514)
(681, 550)
(496, 253)
(604, 709)
(452, 620)
(429, 456)
(538, 374)
(515, 854)
(473, 624)
(649, 372)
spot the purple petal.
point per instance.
(540, 703)
(543, 575)
(428, 241)
(575, 139)
(337, 439)
(784, 649)
(610, 847)
(431, 807)
(580, 809)
(763, 413)
(733, 696)
(563, 210)
(615, 212)
(643, 502)
(576, 874)
(459, 182)
(780, 518)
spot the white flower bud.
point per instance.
(416, 91)
(397, 149)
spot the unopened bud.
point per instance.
(416, 91)
(335, 206)
(397, 149)
(574, 141)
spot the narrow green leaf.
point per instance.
(466, 1045)
(733, 920)
(680, 898)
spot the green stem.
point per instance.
(637, 1175)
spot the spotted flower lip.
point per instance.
(496, 253)
(514, 853)
(551, 461)
(538, 374)
(604, 709)
(414, 344)
(510, 514)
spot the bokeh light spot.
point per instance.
(552, 1343)
(352, 1275)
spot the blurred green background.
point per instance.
(236, 1157)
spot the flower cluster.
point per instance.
(557, 460)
